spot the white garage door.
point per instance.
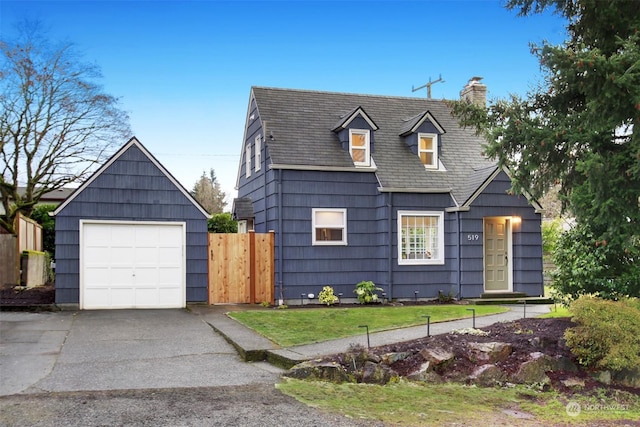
(132, 265)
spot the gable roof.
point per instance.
(411, 125)
(301, 123)
(348, 118)
(242, 208)
(131, 143)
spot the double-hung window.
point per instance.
(247, 160)
(258, 153)
(428, 150)
(359, 147)
(329, 226)
(420, 237)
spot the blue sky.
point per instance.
(184, 70)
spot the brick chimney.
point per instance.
(475, 92)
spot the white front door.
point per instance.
(132, 265)
(497, 253)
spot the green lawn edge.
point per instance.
(294, 327)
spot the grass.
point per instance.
(419, 404)
(303, 326)
(557, 310)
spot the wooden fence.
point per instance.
(28, 237)
(241, 268)
(29, 234)
(9, 260)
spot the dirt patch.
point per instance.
(527, 339)
(20, 297)
(526, 336)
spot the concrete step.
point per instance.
(510, 300)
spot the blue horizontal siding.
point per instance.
(132, 188)
(526, 239)
(371, 253)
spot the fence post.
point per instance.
(272, 264)
(252, 266)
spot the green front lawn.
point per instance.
(303, 326)
(426, 404)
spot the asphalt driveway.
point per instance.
(118, 349)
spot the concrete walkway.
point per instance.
(251, 346)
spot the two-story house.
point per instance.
(381, 188)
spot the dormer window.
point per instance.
(356, 131)
(422, 134)
(428, 150)
(359, 147)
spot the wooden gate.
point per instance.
(241, 268)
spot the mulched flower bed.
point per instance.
(16, 296)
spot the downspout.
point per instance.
(280, 285)
(458, 272)
(390, 243)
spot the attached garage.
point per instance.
(131, 237)
(132, 265)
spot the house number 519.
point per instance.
(473, 237)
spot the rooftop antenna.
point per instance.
(428, 86)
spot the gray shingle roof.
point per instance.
(242, 208)
(302, 123)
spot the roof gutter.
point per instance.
(413, 190)
(323, 168)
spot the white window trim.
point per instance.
(258, 153)
(435, 261)
(436, 161)
(367, 146)
(247, 160)
(314, 225)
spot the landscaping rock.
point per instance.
(628, 378)
(320, 370)
(604, 377)
(374, 373)
(563, 363)
(426, 376)
(391, 358)
(573, 382)
(534, 371)
(436, 356)
(500, 355)
(490, 352)
(420, 373)
(358, 355)
(488, 375)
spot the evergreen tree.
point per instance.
(580, 129)
(208, 193)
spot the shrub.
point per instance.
(588, 266)
(326, 296)
(40, 214)
(607, 335)
(222, 223)
(551, 231)
(446, 298)
(366, 292)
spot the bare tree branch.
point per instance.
(56, 123)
